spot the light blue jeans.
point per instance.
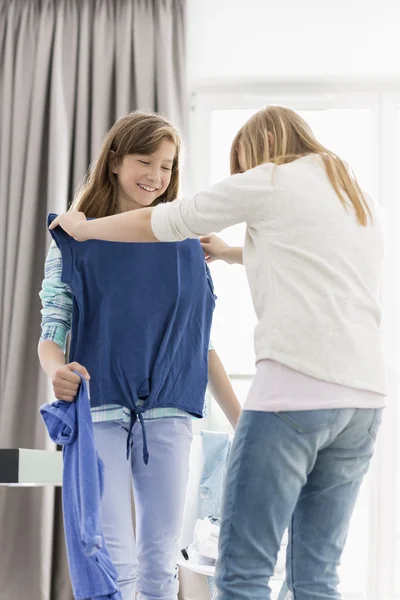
(299, 469)
(149, 564)
(216, 448)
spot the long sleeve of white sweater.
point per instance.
(237, 199)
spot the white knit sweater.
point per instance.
(313, 270)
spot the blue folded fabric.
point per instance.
(69, 424)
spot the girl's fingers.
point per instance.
(70, 377)
(63, 393)
(54, 223)
(66, 398)
(65, 384)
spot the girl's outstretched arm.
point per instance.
(241, 198)
(131, 226)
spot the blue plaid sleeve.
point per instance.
(56, 298)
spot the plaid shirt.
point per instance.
(56, 298)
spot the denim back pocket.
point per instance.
(309, 421)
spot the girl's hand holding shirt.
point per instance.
(216, 249)
(71, 222)
(66, 383)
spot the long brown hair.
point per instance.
(135, 133)
(292, 138)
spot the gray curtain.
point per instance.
(68, 70)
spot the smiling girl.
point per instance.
(140, 319)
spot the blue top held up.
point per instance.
(141, 321)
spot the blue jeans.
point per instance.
(147, 565)
(299, 469)
(215, 450)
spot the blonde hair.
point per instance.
(135, 133)
(279, 135)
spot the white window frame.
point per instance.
(383, 98)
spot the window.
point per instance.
(359, 128)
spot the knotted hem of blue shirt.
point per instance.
(136, 414)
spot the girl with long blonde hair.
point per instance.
(313, 254)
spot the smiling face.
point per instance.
(142, 178)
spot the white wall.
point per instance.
(258, 39)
